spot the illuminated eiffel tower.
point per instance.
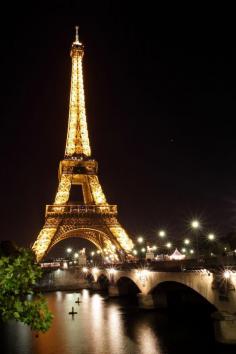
(93, 218)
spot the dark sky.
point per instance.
(160, 99)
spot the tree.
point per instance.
(18, 300)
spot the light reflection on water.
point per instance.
(104, 327)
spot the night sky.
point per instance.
(160, 101)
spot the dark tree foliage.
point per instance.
(18, 275)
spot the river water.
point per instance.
(112, 326)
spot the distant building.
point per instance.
(150, 254)
(82, 257)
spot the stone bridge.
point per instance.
(157, 289)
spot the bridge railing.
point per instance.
(218, 263)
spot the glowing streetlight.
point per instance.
(169, 245)
(162, 233)
(95, 270)
(143, 250)
(183, 250)
(84, 269)
(135, 252)
(154, 248)
(98, 251)
(191, 251)
(76, 255)
(226, 274)
(140, 239)
(69, 250)
(111, 271)
(187, 241)
(211, 237)
(195, 224)
(92, 253)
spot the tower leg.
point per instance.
(43, 241)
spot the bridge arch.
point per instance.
(127, 285)
(172, 293)
(103, 281)
(89, 277)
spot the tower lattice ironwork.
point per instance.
(93, 219)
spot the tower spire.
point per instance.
(76, 34)
(77, 143)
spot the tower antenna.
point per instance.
(77, 33)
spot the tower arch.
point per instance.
(95, 236)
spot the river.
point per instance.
(112, 326)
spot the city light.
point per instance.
(140, 239)
(191, 251)
(84, 269)
(226, 274)
(143, 249)
(111, 271)
(211, 237)
(135, 252)
(183, 250)
(144, 273)
(186, 241)
(98, 251)
(92, 253)
(95, 270)
(162, 233)
(76, 255)
(154, 248)
(69, 250)
(169, 245)
(65, 265)
(195, 224)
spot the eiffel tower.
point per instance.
(93, 218)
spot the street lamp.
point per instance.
(162, 233)
(169, 245)
(195, 224)
(76, 255)
(84, 269)
(186, 241)
(211, 237)
(69, 250)
(140, 239)
(226, 274)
